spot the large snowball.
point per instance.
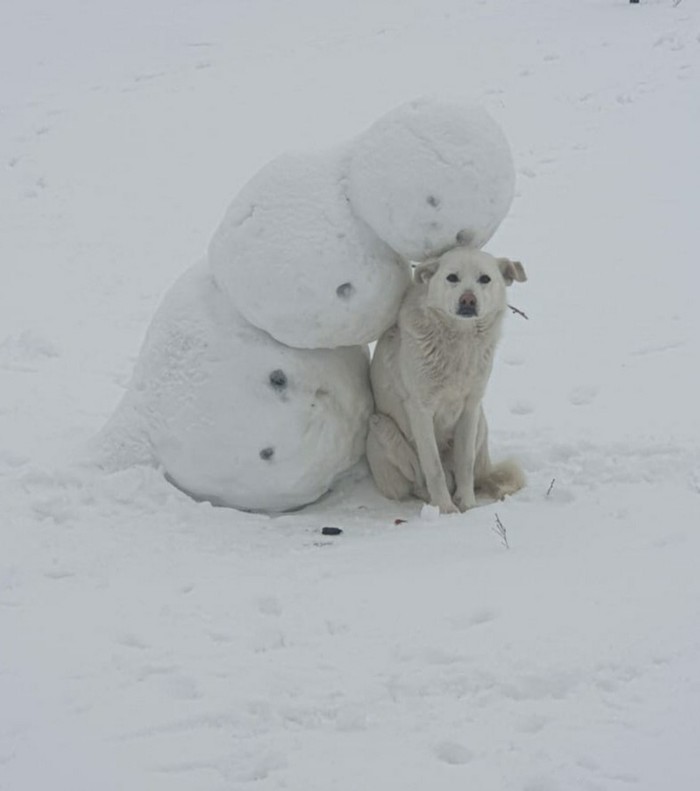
(426, 171)
(297, 263)
(232, 415)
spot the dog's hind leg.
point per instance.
(393, 462)
(495, 481)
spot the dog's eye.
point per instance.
(453, 278)
(484, 279)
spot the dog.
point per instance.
(428, 436)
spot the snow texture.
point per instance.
(297, 263)
(152, 643)
(233, 416)
(428, 170)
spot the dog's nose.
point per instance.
(467, 304)
(467, 300)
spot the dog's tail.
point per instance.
(506, 477)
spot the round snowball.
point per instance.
(298, 264)
(233, 416)
(428, 170)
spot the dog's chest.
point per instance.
(455, 376)
(453, 369)
(446, 417)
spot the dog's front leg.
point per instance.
(465, 455)
(423, 429)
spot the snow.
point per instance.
(428, 170)
(296, 261)
(231, 415)
(151, 642)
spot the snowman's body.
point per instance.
(297, 262)
(232, 415)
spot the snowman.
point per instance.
(251, 389)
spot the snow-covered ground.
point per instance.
(148, 642)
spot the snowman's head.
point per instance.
(465, 283)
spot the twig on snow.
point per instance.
(519, 312)
(551, 486)
(500, 530)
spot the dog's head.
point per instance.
(467, 283)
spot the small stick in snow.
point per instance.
(519, 312)
(500, 531)
(551, 486)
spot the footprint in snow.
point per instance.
(9, 459)
(483, 615)
(478, 617)
(583, 395)
(58, 574)
(264, 640)
(533, 723)
(453, 753)
(28, 347)
(130, 640)
(182, 687)
(521, 408)
(351, 718)
(269, 605)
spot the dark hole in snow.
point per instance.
(433, 201)
(267, 453)
(278, 379)
(345, 290)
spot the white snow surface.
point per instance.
(150, 642)
(428, 170)
(296, 261)
(231, 415)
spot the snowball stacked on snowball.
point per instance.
(428, 170)
(233, 416)
(313, 248)
(298, 263)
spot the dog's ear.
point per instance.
(511, 270)
(423, 272)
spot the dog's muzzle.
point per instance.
(467, 304)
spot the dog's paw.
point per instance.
(446, 507)
(465, 501)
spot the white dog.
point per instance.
(429, 373)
